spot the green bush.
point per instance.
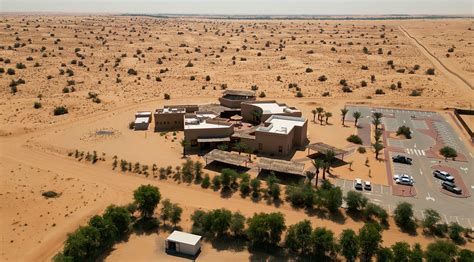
(361, 150)
(405, 131)
(354, 139)
(60, 110)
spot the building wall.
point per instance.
(191, 135)
(232, 103)
(141, 126)
(169, 122)
(301, 135)
(185, 248)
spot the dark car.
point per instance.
(402, 159)
(451, 187)
(443, 175)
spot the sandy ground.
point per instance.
(34, 143)
(469, 119)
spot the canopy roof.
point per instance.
(239, 92)
(281, 166)
(323, 148)
(226, 157)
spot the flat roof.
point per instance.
(282, 166)
(183, 237)
(324, 148)
(142, 119)
(281, 124)
(213, 139)
(236, 92)
(226, 157)
(194, 123)
(273, 107)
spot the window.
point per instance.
(280, 149)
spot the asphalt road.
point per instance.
(428, 192)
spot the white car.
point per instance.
(367, 186)
(358, 184)
(404, 180)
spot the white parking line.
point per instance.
(457, 219)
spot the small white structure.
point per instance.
(142, 120)
(182, 242)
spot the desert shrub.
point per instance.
(309, 70)
(20, 66)
(192, 78)
(299, 94)
(393, 87)
(346, 89)
(262, 94)
(131, 125)
(354, 139)
(343, 82)
(132, 71)
(325, 94)
(60, 110)
(405, 131)
(50, 194)
(37, 105)
(2, 70)
(66, 90)
(189, 64)
(401, 70)
(379, 91)
(361, 150)
(430, 71)
(415, 92)
(208, 78)
(10, 71)
(364, 67)
(167, 96)
(363, 83)
(322, 78)
(416, 67)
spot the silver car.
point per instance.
(404, 180)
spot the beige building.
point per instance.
(171, 118)
(205, 129)
(233, 98)
(278, 135)
(260, 111)
(142, 120)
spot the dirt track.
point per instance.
(438, 63)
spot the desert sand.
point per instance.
(271, 54)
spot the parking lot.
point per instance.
(430, 132)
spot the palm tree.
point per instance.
(343, 114)
(327, 115)
(377, 135)
(317, 163)
(329, 157)
(310, 175)
(257, 115)
(377, 116)
(314, 112)
(320, 111)
(356, 116)
(184, 144)
(377, 147)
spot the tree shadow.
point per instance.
(275, 253)
(225, 242)
(146, 226)
(226, 192)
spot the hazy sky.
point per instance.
(270, 7)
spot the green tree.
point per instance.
(370, 238)
(198, 172)
(219, 221)
(465, 255)
(298, 237)
(244, 188)
(405, 131)
(377, 119)
(257, 116)
(416, 254)
(349, 243)
(384, 254)
(377, 148)
(237, 223)
(147, 198)
(314, 112)
(265, 229)
(120, 217)
(255, 185)
(216, 182)
(448, 152)
(356, 115)
(401, 252)
(176, 214)
(206, 182)
(403, 216)
(166, 210)
(107, 230)
(318, 164)
(440, 250)
(188, 171)
(454, 232)
(240, 147)
(431, 219)
(344, 112)
(320, 112)
(83, 244)
(356, 202)
(226, 178)
(310, 175)
(323, 243)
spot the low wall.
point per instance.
(458, 113)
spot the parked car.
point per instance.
(404, 180)
(367, 186)
(358, 184)
(443, 175)
(451, 187)
(402, 159)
